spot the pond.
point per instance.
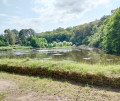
(72, 54)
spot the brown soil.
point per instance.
(7, 86)
(14, 93)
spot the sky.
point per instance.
(46, 15)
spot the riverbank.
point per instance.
(19, 47)
(103, 75)
(14, 47)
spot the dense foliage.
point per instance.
(38, 42)
(111, 35)
(10, 36)
(78, 35)
(103, 33)
(60, 44)
(60, 34)
(108, 36)
(3, 41)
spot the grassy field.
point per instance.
(14, 47)
(97, 74)
(35, 88)
(99, 69)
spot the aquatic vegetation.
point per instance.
(14, 47)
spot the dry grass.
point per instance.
(50, 87)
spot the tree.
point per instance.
(113, 11)
(38, 42)
(25, 33)
(94, 40)
(111, 35)
(80, 33)
(10, 36)
(16, 34)
(3, 41)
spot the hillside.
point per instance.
(100, 33)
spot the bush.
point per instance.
(38, 42)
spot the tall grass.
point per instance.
(108, 70)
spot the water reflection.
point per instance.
(76, 54)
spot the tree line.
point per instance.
(103, 33)
(28, 37)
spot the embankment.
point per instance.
(87, 78)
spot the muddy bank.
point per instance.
(91, 79)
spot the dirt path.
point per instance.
(25, 88)
(13, 93)
(6, 85)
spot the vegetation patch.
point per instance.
(50, 89)
(14, 47)
(80, 72)
(103, 33)
(2, 96)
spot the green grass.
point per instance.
(101, 69)
(43, 85)
(19, 47)
(14, 47)
(2, 96)
(55, 88)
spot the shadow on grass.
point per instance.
(82, 84)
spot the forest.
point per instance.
(103, 33)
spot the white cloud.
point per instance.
(15, 22)
(5, 2)
(52, 12)
(18, 7)
(64, 10)
(3, 15)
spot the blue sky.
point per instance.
(45, 15)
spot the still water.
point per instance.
(73, 54)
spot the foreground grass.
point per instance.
(2, 96)
(107, 70)
(14, 47)
(47, 86)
